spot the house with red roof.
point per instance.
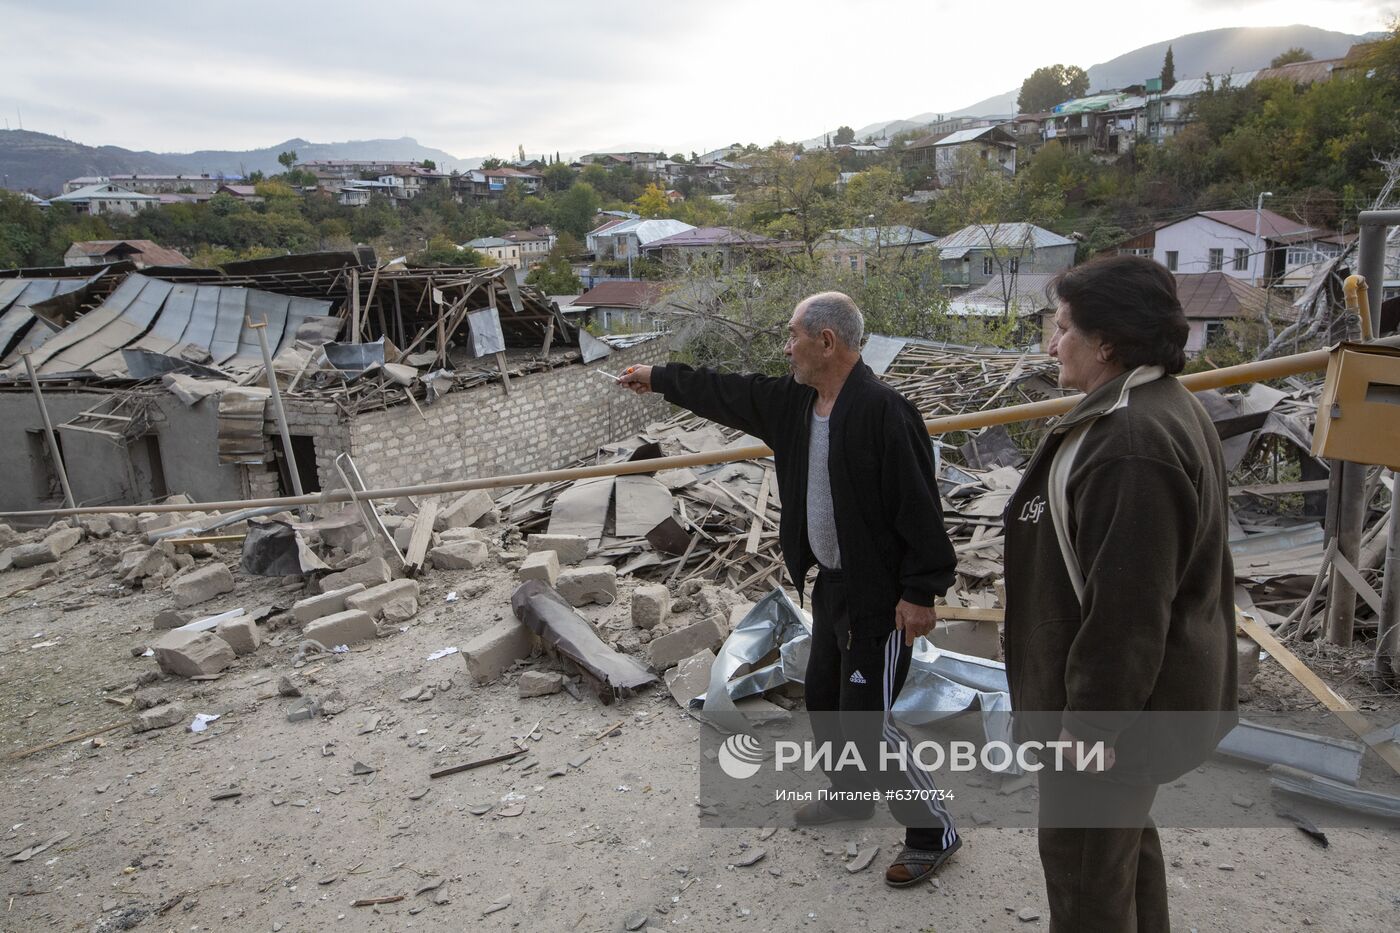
(1243, 244)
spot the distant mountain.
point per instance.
(1218, 51)
(41, 163)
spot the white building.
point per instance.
(108, 199)
(1226, 241)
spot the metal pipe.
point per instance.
(1388, 636)
(1276, 368)
(1371, 254)
(260, 330)
(48, 433)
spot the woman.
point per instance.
(1119, 593)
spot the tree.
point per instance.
(1289, 56)
(1168, 70)
(844, 136)
(1051, 85)
(287, 159)
(793, 197)
(491, 162)
(440, 251)
(430, 165)
(558, 177)
(653, 202)
(575, 208)
(520, 153)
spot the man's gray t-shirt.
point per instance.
(821, 517)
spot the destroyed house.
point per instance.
(155, 381)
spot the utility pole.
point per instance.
(1263, 253)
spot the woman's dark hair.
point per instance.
(1130, 303)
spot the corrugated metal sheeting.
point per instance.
(20, 328)
(199, 323)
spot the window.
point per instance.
(1138, 251)
(1241, 260)
(855, 263)
(987, 265)
(1216, 260)
(1015, 265)
(1171, 260)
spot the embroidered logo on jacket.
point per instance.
(1032, 510)
(856, 678)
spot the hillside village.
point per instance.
(345, 588)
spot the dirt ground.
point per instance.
(613, 841)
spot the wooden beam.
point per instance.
(1338, 704)
(422, 535)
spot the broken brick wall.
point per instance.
(548, 420)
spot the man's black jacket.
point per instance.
(889, 524)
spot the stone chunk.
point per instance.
(139, 562)
(670, 649)
(171, 618)
(690, 678)
(371, 573)
(8, 535)
(463, 534)
(465, 511)
(459, 555)
(314, 607)
(540, 683)
(34, 554)
(241, 633)
(96, 526)
(570, 548)
(582, 585)
(541, 565)
(489, 654)
(64, 539)
(124, 524)
(343, 628)
(401, 609)
(202, 585)
(192, 654)
(650, 605)
(373, 600)
(158, 717)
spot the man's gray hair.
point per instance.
(836, 312)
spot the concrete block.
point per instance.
(33, 554)
(147, 522)
(202, 585)
(124, 524)
(459, 555)
(982, 639)
(1246, 660)
(489, 654)
(570, 548)
(95, 526)
(8, 536)
(541, 565)
(343, 628)
(314, 607)
(540, 683)
(400, 609)
(582, 585)
(240, 633)
(372, 572)
(670, 649)
(464, 511)
(191, 654)
(650, 605)
(463, 534)
(167, 619)
(690, 678)
(403, 533)
(374, 599)
(158, 717)
(64, 539)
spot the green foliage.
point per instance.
(844, 136)
(429, 164)
(555, 276)
(1289, 56)
(491, 162)
(1051, 85)
(287, 159)
(1168, 70)
(558, 177)
(440, 251)
(574, 209)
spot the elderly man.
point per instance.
(855, 477)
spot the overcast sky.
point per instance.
(479, 78)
